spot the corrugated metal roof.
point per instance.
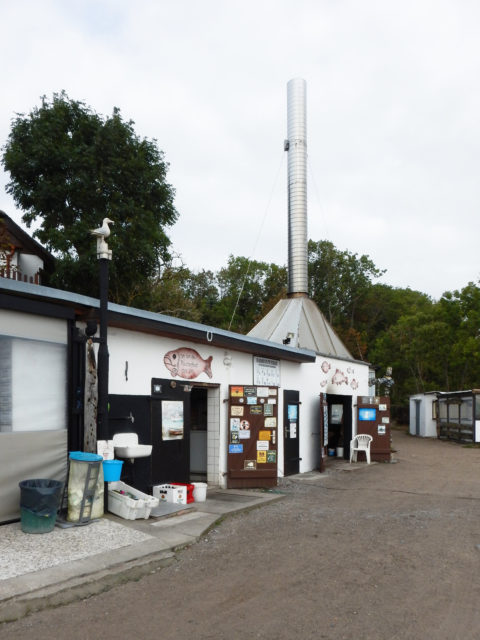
(302, 321)
(148, 321)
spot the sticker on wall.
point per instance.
(292, 412)
(241, 399)
(270, 423)
(234, 437)
(249, 465)
(262, 445)
(261, 400)
(293, 430)
(382, 407)
(256, 410)
(272, 401)
(264, 435)
(339, 377)
(172, 420)
(268, 409)
(381, 429)
(271, 456)
(262, 392)
(249, 391)
(234, 424)
(244, 434)
(235, 448)
(261, 457)
(187, 363)
(272, 391)
(386, 420)
(252, 400)
(236, 392)
(236, 410)
(244, 425)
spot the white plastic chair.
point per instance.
(360, 442)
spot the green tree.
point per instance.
(69, 168)
(245, 288)
(338, 280)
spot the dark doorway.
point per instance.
(291, 432)
(339, 424)
(170, 420)
(418, 404)
(198, 434)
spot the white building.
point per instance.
(42, 391)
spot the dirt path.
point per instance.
(383, 552)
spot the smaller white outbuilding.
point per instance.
(422, 415)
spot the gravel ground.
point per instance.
(388, 551)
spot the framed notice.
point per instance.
(266, 371)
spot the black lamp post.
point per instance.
(104, 255)
(102, 406)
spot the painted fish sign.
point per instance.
(187, 363)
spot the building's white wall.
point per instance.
(144, 354)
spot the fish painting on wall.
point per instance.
(187, 363)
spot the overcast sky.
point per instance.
(393, 107)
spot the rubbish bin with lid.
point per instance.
(39, 503)
(85, 487)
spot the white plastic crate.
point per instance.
(126, 506)
(170, 493)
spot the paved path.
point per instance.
(388, 551)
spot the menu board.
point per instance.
(252, 436)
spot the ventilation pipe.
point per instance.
(296, 145)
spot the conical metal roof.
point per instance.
(300, 321)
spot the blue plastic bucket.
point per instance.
(112, 470)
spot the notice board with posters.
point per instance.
(373, 417)
(252, 436)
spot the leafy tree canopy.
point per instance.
(69, 168)
(338, 280)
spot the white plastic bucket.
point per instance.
(339, 452)
(199, 491)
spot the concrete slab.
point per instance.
(67, 564)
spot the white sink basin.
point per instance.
(126, 446)
(133, 451)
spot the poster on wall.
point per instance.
(266, 372)
(172, 420)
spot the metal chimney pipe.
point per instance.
(296, 145)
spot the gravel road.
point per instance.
(386, 551)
